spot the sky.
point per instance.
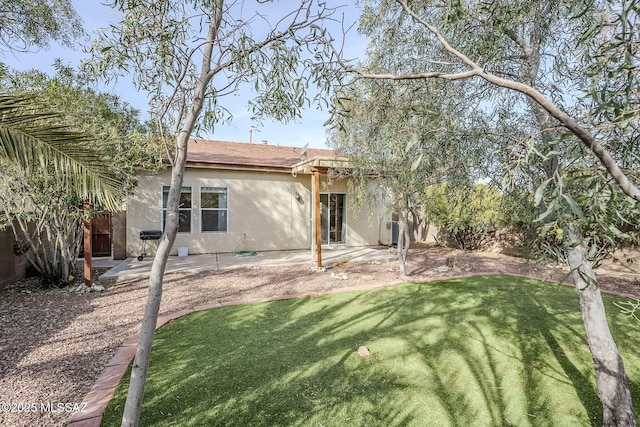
(307, 130)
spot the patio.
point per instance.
(131, 267)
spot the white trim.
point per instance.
(163, 209)
(200, 209)
(344, 220)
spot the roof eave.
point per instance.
(246, 167)
(320, 162)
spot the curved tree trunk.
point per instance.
(133, 404)
(611, 379)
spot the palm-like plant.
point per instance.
(48, 172)
(31, 138)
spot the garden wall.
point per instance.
(12, 267)
(119, 235)
(508, 241)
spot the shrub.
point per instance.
(470, 214)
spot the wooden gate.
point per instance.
(100, 235)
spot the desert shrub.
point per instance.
(470, 214)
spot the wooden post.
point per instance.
(312, 236)
(88, 271)
(316, 197)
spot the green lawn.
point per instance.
(488, 350)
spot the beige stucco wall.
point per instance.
(263, 212)
(367, 224)
(12, 266)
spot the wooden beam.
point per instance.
(316, 198)
(88, 249)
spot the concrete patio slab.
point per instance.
(132, 268)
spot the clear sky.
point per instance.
(308, 130)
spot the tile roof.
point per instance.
(226, 153)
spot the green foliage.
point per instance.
(460, 207)
(46, 216)
(118, 137)
(606, 216)
(402, 134)
(612, 64)
(161, 44)
(470, 213)
(33, 138)
(25, 24)
(630, 308)
(50, 170)
(499, 350)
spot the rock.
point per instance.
(363, 351)
(339, 276)
(443, 269)
(83, 289)
(318, 269)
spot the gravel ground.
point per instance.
(54, 343)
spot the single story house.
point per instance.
(255, 197)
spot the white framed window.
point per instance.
(214, 209)
(333, 210)
(184, 209)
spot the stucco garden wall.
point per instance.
(12, 266)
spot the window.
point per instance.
(184, 209)
(214, 209)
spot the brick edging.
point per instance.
(105, 386)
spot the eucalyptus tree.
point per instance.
(530, 54)
(27, 24)
(189, 55)
(400, 136)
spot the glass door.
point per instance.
(332, 218)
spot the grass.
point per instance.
(487, 350)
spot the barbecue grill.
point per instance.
(146, 235)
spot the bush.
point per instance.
(470, 214)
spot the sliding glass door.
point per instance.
(333, 218)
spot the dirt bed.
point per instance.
(54, 343)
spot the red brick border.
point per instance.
(102, 391)
(104, 387)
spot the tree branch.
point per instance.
(587, 139)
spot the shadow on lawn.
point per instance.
(478, 351)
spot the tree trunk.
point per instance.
(404, 240)
(133, 404)
(420, 225)
(611, 380)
